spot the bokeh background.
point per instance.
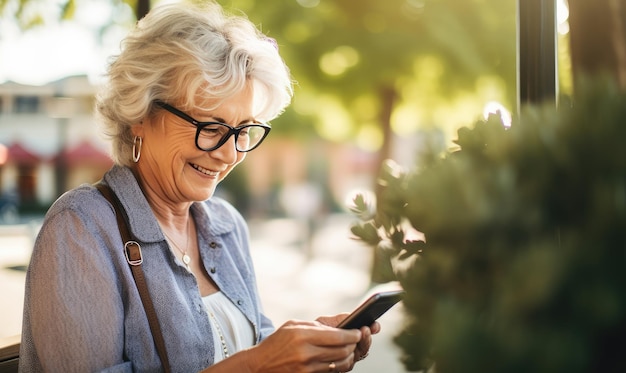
(374, 80)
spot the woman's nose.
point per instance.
(227, 153)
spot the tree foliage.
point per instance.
(357, 61)
(377, 43)
(522, 266)
(372, 56)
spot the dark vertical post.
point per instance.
(598, 39)
(536, 52)
(62, 110)
(61, 170)
(142, 8)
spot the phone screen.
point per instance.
(370, 310)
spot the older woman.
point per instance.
(189, 95)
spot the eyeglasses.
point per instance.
(212, 135)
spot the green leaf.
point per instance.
(366, 232)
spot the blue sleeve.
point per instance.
(73, 313)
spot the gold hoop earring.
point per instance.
(137, 149)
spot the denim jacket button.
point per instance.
(213, 270)
(213, 245)
(240, 302)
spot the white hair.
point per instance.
(180, 53)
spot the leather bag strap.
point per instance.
(132, 251)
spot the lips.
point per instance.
(204, 170)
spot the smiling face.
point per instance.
(171, 168)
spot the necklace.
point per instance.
(220, 334)
(186, 258)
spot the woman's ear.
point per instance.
(137, 129)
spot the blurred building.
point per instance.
(49, 139)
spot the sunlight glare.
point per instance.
(59, 49)
(562, 15)
(498, 109)
(49, 53)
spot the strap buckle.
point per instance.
(133, 253)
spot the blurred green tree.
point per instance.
(370, 57)
(357, 61)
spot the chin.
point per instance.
(208, 194)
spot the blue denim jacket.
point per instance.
(82, 311)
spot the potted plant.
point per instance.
(522, 263)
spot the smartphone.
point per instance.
(370, 310)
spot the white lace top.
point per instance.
(232, 331)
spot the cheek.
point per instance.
(181, 140)
(166, 154)
(176, 148)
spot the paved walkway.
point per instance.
(297, 280)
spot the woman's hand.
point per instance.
(308, 346)
(362, 348)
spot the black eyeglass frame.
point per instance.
(231, 130)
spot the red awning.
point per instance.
(20, 155)
(84, 154)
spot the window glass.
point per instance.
(26, 104)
